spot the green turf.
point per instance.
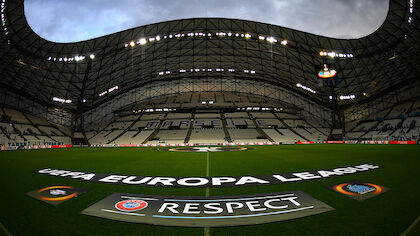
(387, 214)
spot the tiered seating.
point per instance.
(295, 123)
(16, 116)
(172, 136)
(380, 114)
(237, 115)
(263, 115)
(245, 135)
(265, 123)
(311, 134)
(233, 122)
(128, 118)
(30, 130)
(416, 109)
(287, 137)
(215, 135)
(398, 122)
(276, 136)
(127, 138)
(400, 110)
(207, 115)
(206, 127)
(282, 115)
(365, 126)
(37, 120)
(99, 138)
(178, 116)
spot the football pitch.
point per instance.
(390, 213)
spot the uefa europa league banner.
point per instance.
(207, 182)
(207, 211)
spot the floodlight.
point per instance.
(143, 41)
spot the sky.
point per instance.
(78, 20)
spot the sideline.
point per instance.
(407, 231)
(5, 230)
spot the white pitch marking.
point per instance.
(140, 198)
(416, 221)
(5, 230)
(120, 212)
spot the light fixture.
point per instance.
(92, 56)
(143, 41)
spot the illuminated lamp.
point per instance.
(132, 44)
(326, 73)
(143, 41)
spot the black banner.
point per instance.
(358, 190)
(207, 211)
(205, 182)
(58, 194)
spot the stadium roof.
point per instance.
(89, 73)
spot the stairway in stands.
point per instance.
(110, 123)
(290, 128)
(127, 129)
(188, 137)
(37, 127)
(227, 135)
(258, 128)
(156, 131)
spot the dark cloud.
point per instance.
(75, 20)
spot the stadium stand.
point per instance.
(213, 97)
(21, 129)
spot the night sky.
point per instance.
(76, 20)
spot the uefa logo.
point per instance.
(131, 205)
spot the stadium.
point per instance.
(210, 110)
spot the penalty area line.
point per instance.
(407, 231)
(5, 230)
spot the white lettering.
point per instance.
(72, 174)
(46, 171)
(230, 206)
(306, 175)
(129, 180)
(268, 204)
(60, 172)
(191, 206)
(253, 204)
(283, 179)
(113, 178)
(344, 170)
(85, 176)
(163, 180)
(250, 180)
(292, 200)
(213, 206)
(170, 206)
(220, 180)
(195, 182)
(326, 173)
